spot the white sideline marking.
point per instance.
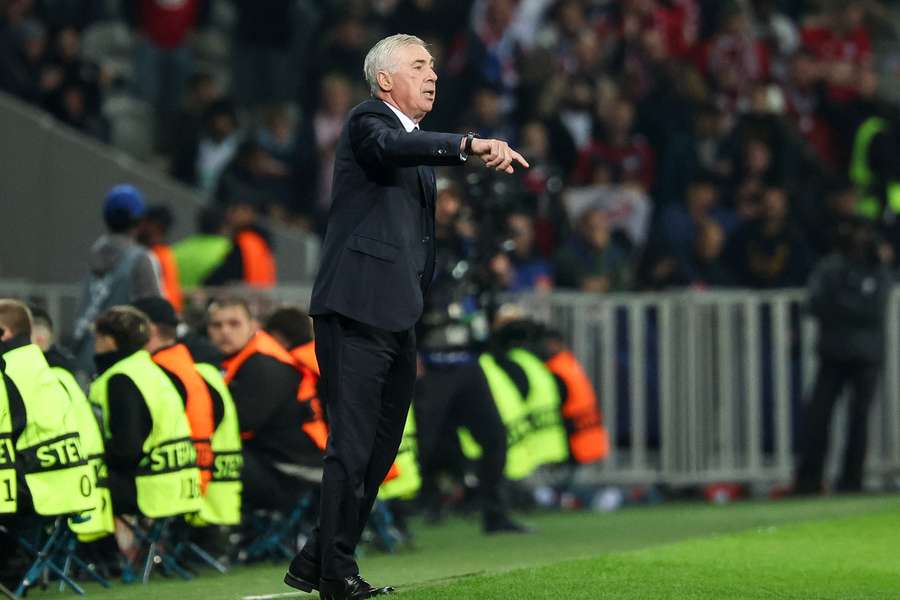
(271, 596)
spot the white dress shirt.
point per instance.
(408, 124)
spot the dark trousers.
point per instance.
(458, 396)
(368, 377)
(831, 379)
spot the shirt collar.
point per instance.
(408, 124)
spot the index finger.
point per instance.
(520, 159)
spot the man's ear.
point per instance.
(385, 81)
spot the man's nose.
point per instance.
(432, 75)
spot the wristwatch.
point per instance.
(467, 149)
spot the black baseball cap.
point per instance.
(158, 310)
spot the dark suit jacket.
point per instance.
(378, 253)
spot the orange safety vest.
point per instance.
(305, 356)
(198, 405)
(317, 430)
(588, 438)
(169, 267)
(263, 343)
(256, 256)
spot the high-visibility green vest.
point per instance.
(548, 439)
(222, 502)
(513, 412)
(167, 479)
(861, 174)
(407, 483)
(7, 456)
(56, 471)
(197, 257)
(99, 521)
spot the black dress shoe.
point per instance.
(503, 524)
(353, 587)
(303, 574)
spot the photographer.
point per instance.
(451, 390)
(848, 294)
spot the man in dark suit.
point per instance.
(377, 261)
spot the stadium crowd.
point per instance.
(675, 143)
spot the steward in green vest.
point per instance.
(548, 440)
(197, 256)
(49, 449)
(514, 413)
(98, 522)
(873, 168)
(151, 460)
(7, 452)
(222, 502)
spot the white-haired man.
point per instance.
(377, 262)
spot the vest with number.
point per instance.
(588, 438)
(519, 460)
(56, 470)
(548, 440)
(263, 343)
(198, 405)
(99, 521)
(408, 479)
(7, 455)
(167, 478)
(222, 502)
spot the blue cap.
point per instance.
(124, 200)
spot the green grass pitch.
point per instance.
(840, 549)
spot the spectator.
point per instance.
(163, 60)
(526, 270)
(291, 163)
(217, 145)
(735, 60)
(346, 47)
(543, 185)
(336, 100)
(188, 123)
(487, 116)
(262, 63)
(804, 104)
(592, 261)
(120, 269)
(252, 176)
(769, 252)
(702, 268)
(24, 63)
(619, 149)
(843, 46)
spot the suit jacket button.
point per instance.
(426, 239)
(440, 151)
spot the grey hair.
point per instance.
(381, 57)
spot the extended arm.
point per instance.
(377, 144)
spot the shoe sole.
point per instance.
(300, 584)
